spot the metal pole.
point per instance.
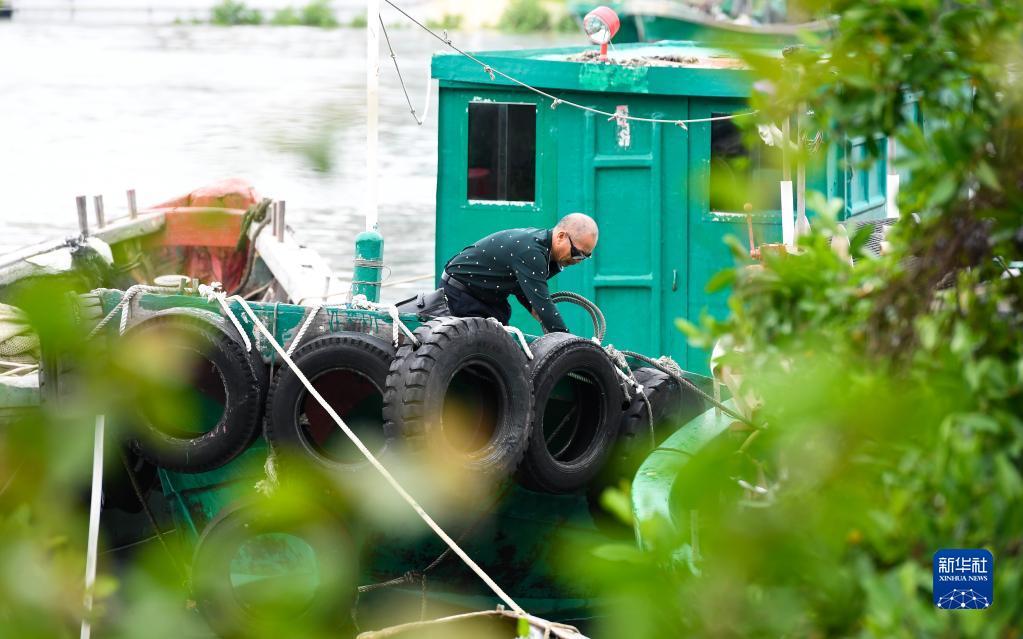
(802, 224)
(93, 541)
(788, 219)
(133, 207)
(83, 215)
(892, 185)
(279, 219)
(101, 216)
(786, 170)
(372, 109)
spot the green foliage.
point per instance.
(286, 17)
(567, 23)
(319, 13)
(524, 16)
(232, 13)
(450, 21)
(358, 22)
(891, 423)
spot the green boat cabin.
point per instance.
(509, 157)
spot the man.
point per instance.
(478, 281)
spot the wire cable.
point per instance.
(555, 101)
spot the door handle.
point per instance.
(674, 279)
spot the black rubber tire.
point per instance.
(357, 364)
(634, 442)
(665, 397)
(326, 612)
(597, 401)
(240, 372)
(476, 364)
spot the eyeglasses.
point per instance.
(577, 255)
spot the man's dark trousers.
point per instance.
(464, 304)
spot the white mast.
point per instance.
(892, 183)
(372, 109)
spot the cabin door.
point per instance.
(630, 176)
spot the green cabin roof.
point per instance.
(661, 68)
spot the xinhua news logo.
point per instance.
(964, 579)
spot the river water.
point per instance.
(96, 108)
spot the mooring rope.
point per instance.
(124, 306)
(517, 334)
(212, 294)
(670, 367)
(295, 341)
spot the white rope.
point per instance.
(555, 100)
(522, 340)
(622, 366)
(123, 306)
(215, 292)
(305, 327)
(221, 296)
(93, 540)
(397, 326)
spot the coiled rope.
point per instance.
(596, 315)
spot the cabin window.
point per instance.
(741, 174)
(502, 152)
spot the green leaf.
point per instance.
(617, 502)
(721, 280)
(987, 176)
(621, 552)
(1009, 480)
(523, 629)
(688, 328)
(943, 191)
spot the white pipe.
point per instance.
(892, 184)
(788, 219)
(802, 224)
(93, 542)
(372, 109)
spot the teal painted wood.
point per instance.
(282, 320)
(655, 490)
(550, 69)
